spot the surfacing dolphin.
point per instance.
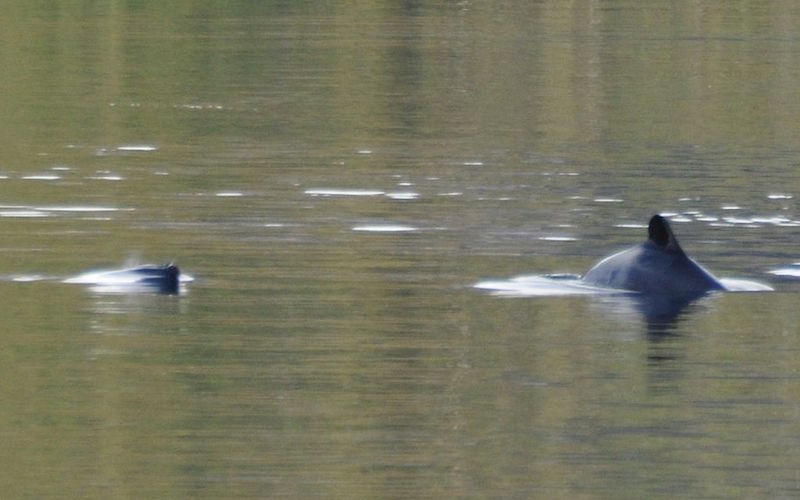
(165, 278)
(657, 266)
(148, 277)
(655, 278)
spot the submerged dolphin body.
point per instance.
(657, 266)
(159, 278)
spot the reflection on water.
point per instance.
(337, 177)
(660, 312)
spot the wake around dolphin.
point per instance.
(657, 266)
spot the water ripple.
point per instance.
(24, 211)
(343, 192)
(385, 228)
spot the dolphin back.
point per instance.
(159, 278)
(653, 270)
(659, 265)
(164, 278)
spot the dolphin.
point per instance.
(657, 266)
(159, 278)
(164, 278)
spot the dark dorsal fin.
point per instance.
(659, 232)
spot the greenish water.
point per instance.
(337, 177)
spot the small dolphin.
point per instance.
(160, 278)
(164, 278)
(657, 266)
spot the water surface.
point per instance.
(336, 178)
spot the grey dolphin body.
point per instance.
(657, 266)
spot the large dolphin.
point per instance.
(657, 266)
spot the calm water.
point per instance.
(337, 178)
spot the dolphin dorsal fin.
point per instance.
(660, 233)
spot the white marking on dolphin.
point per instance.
(657, 266)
